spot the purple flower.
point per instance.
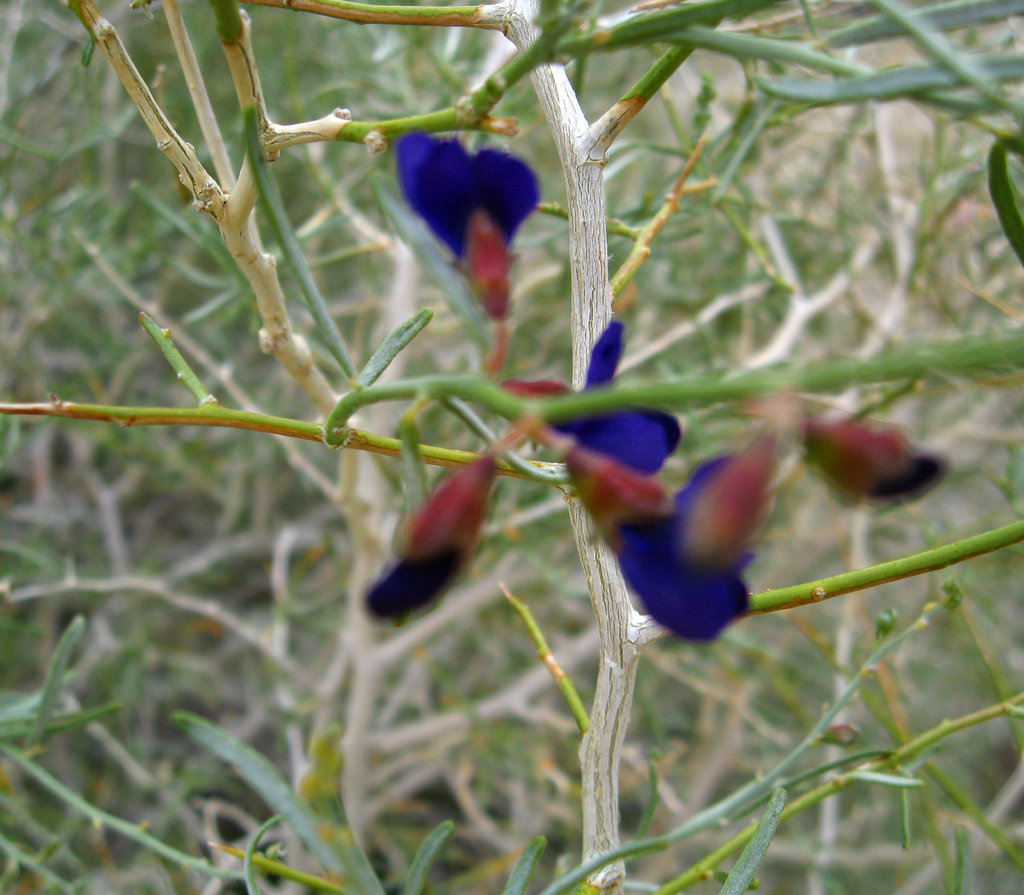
(473, 203)
(686, 568)
(640, 439)
(875, 462)
(440, 539)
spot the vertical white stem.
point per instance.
(590, 312)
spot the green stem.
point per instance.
(186, 375)
(229, 22)
(565, 684)
(103, 819)
(747, 796)
(903, 755)
(270, 866)
(223, 417)
(893, 570)
(974, 356)
(371, 13)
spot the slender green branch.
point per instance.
(565, 684)
(222, 417)
(270, 866)
(101, 818)
(905, 754)
(614, 225)
(973, 356)
(186, 375)
(372, 13)
(652, 27)
(742, 800)
(641, 250)
(229, 23)
(893, 570)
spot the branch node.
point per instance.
(375, 141)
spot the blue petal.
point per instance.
(604, 359)
(698, 480)
(506, 189)
(410, 585)
(640, 439)
(691, 603)
(437, 178)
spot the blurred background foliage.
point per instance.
(209, 565)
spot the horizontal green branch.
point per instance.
(223, 417)
(973, 356)
(893, 570)
(381, 14)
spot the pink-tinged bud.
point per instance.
(453, 516)
(615, 494)
(488, 262)
(535, 388)
(861, 460)
(723, 506)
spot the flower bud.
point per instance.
(615, 494)
(861, 460)
(488, 263)
(440, 539)
(723, 506)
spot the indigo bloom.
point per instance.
(686, 568)
(862, 460)
(473, 203)
(640, 439)
(440, 539)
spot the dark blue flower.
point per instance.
(692, 602)
(692, 596)
(640, 439)
(474, 203)
(686, 568)
(440, 539)
(445, 184)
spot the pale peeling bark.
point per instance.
(581, 152)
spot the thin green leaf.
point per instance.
(11, 727)
(942, 17)
(962, 871)
(426, 854)
(393, 344)
(264, 778)
(414, 233)
(414, 473)
(520, 876)
(939, 47)
(896, 780)
(55, 679)
(103, 818)
(277, 215)
(249, 868)
(21, 858)
(751, 857)
(905, 839)
(907, 81)
(1005, 197)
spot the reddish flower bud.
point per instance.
(452, 517)
(724, 504)
(488, 263)
(440, 538)
(535, 388)
(862, 460)
(615, 494)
